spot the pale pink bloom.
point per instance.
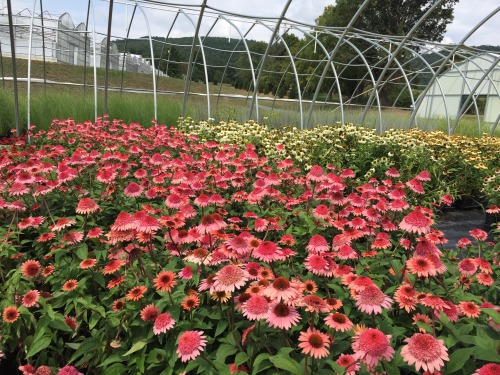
(425, 351)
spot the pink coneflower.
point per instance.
(186, 273)
(371, 345)
(256, 307)
(493, 210)
(463, 243)
(133, 189)
(488, 369)
(371, 300)
(447, 199)
(415, 185)
(425, 247)
(239, 244)
(317, 264)
(136, 293)
(484, 279)
(318, 244)
(163, 323)
(282, 289)
(416, 222)
(211, 223)
(165, 281)
(88, 263)
(314, 303)
(124, 221)
(338, 322)
(434, 302)
(314, 343)
(31, 298)
(230, 278)
(87, 206)
(321, 212)
(316, 174)
(46, 237)
(347, 252)
(478, 234)
(145, 223)
(70, 285)
(451, 312)
(267, 251)
(62, 223)
(467, 267)
(349, 362)
(425, 352)
(10, 314)
(470, 309)
(175, 201)
(94, 233)
(115, 282)
(190, 345)
(392, 172)
(149, 313)
(47, 271)
(31, 268)
(398, 205)
(118, 305)
(423, 176)
(358, 283)
(483, 265)
(112, 266)
(282, 316)
(421, 266)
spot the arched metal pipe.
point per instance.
(152, 60)
(191, 55)
(126, 42)
(330, 59)
(263, 61)
(29, 71)
(297, 81)
(249, 55)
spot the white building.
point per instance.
(64, 42)
(449, 92)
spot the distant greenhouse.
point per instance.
(450, 94)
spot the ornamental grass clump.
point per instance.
(152, 251)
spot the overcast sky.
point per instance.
(468, 13)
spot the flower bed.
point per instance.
(457, 164)
(147, 249)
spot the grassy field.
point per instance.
(49, 101)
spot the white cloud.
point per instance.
(467, 14)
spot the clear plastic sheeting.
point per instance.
(410, 78)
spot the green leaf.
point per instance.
(224, 351)
(286, 363)
(38, 345)
(137, 346)
(458, 359)
(221, 326)
(493, 314)
(116, 369)
(258, 361)
(241, 357)
(82, 251)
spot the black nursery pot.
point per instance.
(466, 203)
(490, 219)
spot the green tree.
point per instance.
(388, 17)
